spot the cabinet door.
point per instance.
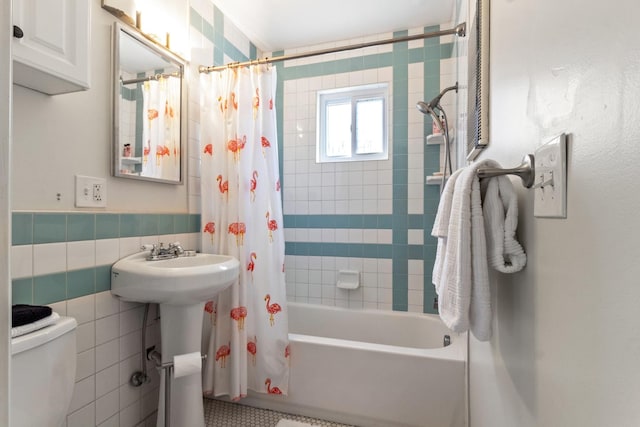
(53, 55)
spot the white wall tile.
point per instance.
(107, 354)
(21, 261)
(85, 337)
(130, 416)
(107, 406)
(49, 258)
(107, 251)
(106, 304)
(107, 329)
(83, 393)
(81, 254)
(107, 380)
(85, 364)
(83, 417)
(82, 308)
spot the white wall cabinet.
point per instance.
(52, 56)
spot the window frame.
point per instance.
(353, 95)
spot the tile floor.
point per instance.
(226, 414)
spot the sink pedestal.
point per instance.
(181, 332)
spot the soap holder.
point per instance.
(348, 279)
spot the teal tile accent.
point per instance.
(50, 288)
(130, 225)
(103, 278)
(165, 224)
(194, 223)
(208, 32)
(49, 228)
(81, 227)
(338, 249)
(415, 252)
(22, 291)
(233, 52)
(400, 295)
(107, 226)
(415, 221)
(416, 55)
(81, 283)
(21, 229)
(181, 223)
(195, 20)
(149, 225)
(253, 51)
(446, 50)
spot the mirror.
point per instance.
(478, 75)
(148, 102)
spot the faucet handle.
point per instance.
(177, 247)
(148, 247)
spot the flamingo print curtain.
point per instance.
(242, 216)
(161, 129)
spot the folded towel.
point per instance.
(34, 326)
(21, 314)
(500, 209)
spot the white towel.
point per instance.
(461, 275)
(34, 326)
(500, 208)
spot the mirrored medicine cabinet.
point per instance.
(148, 109)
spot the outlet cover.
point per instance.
(550, 182)
(91, 192)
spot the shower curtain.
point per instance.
(248, 345)
(161, 129)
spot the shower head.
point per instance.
(435, 102)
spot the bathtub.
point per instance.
(372, 368)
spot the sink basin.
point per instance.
(178, 281)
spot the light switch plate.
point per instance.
(550, 183)
(91, 192)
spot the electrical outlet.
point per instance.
(97, 193)
(91, 192)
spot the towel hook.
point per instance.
(526, 171)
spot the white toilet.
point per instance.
(43, 371)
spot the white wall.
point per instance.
(566, 342)
(58, 137)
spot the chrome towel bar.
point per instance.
(526, 171)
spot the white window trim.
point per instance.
(351, 94)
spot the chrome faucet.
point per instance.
(158, 252)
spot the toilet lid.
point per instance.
(42, 336)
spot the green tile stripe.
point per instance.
(215, 34)
(357, 250)
(400, 300)
(37, 228)
(431, 196)
(51, 288)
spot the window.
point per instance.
(352, 124)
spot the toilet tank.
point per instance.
(43, 370)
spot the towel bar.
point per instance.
(526, 171)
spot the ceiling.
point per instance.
(285, 24)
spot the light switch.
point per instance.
(550, 182)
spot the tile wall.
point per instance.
(376, 216)
(64, 260)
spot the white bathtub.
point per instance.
(372, 368)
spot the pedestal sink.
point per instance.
(181, 286)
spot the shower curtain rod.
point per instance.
(154, 77)
(460, 30)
